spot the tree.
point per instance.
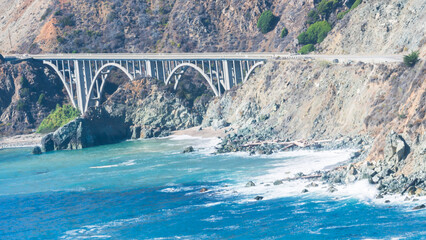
(284, 33)
(267, 21)
(411, 59)
(315, 33)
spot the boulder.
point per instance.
(36, 150)
(278, 182)
(188, 149)
(250, 184)
(47, 143)
(396, 149)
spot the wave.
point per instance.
(126, 163)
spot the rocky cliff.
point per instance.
(28, 92)
(173, 25)
(143, 108)
(380, 27)
(377, 108)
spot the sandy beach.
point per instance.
(28, 140)
(208, 132)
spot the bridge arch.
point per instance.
(64, 82)
(184, 67)
(252, 70)
(99, 72)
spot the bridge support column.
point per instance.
(80, 83)
(227, 74)
(149, 68)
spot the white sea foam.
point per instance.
(126, 163)
(202, 145)
(177, 189)
(287, 164)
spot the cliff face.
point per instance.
(380, 27)
(28, 92)
(152, 26)
(317, 100)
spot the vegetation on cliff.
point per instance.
(307, 49)
(411, 59)
(267, 21)
(58, 118)
(315, 33)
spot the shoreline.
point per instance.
(21, 141)
(199, 132)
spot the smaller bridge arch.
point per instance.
(252, 70)
(184, 67)
(94, 80)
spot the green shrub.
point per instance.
(24, 92)
(45, 14)
(411, 59)
(58, 118)
(307, 49)
(326, 7)
(284, 33)
(356, 3)
(41, 98)
(315, 33)
(267, 21)
(21, 106)
(67, 21)
(313, 17)
(342, 14)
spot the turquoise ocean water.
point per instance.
(148, 190)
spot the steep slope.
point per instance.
(28, 92)
(380, 27)
(152, 26)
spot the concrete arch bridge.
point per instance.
(84, 75)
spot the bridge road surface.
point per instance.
(207, 56)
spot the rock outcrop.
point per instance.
(28, 92)
(139, 109)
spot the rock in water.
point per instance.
(305, 190)
(203, 190)
(36, 150)
(188, 149)
(419, 207)
(250, 184)
(258, 198)
(278, 182)
(332, 189)
(47, 143)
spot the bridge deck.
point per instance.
(205, 56)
